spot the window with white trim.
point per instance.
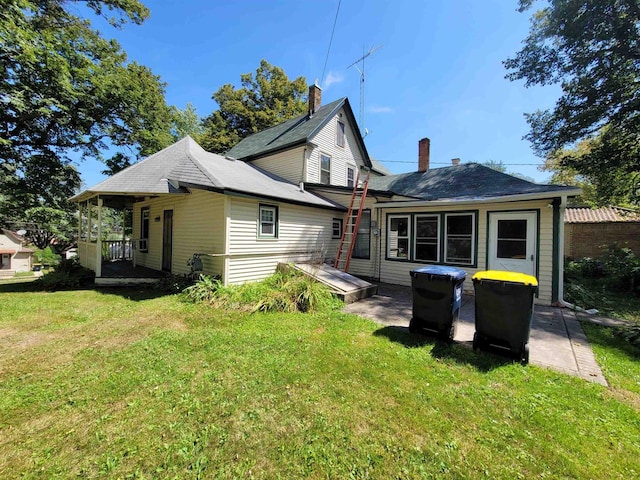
(426, 244)
(144, 229)
(325, 169)
(459, 238)
(351, 176)
(340, 134)
(398, 234)
(268, 221)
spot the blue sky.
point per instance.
(439, 73)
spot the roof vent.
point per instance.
(455, 162)
(233, 159)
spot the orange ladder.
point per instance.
(351, 224)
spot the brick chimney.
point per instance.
(424, 147)
(455, 162)
(315, 98)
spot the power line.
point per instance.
(330, 42)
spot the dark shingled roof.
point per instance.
(469, 181)
(185, 164)
(296, 131)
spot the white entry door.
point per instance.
(512, 242)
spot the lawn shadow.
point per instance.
(137, 293)
(454, 352)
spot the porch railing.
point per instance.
(117, 250)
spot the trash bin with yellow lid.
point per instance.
(504, 311)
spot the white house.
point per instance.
(281, 195)
(14, 256)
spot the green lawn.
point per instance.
(125, 383)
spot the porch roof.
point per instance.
(466, 182)
(185, 164)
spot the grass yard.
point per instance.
(128, 384)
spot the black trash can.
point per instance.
(437, 296)
(504, 311)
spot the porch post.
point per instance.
(99, 241)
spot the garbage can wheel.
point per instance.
(448, 333)
(412, 326)
(476, 341)
(525, 354)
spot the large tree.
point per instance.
(592, 49)
(262, 102)
(66, 93)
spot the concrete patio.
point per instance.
(557, 340)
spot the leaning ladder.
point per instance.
(351, 224)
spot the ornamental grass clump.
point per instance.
(281, 292)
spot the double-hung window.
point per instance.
(268, 221)
(426, 241)
(398, 236)
(144, 229)
(459, 238)
(362, 248)
(340, 134)
(325, 169)
(351, 176)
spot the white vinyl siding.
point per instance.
(198, 227)
(288, 164)
(326, 143)
(304, 234)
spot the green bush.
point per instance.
(622, 268)
(68, 274)
(281, 292)
(631, 333)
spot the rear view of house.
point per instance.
(282, 195)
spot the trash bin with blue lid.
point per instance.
(437, 297)
(504, 311)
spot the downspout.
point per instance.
(562, 207)
(304, 168)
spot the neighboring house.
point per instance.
(587, 230)
(281, 195)
(14, 256)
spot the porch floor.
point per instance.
(125, 269)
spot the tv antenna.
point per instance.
(363, 131)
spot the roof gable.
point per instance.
(294, 132)
(469, 181)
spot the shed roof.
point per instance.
(609, 214)
(185, 164)
(469, 181)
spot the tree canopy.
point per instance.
(592, 49)
(263, 101)
(67, 93)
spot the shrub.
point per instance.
(631, 333)
(281, 292)
(68, 274)
(622, 268)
